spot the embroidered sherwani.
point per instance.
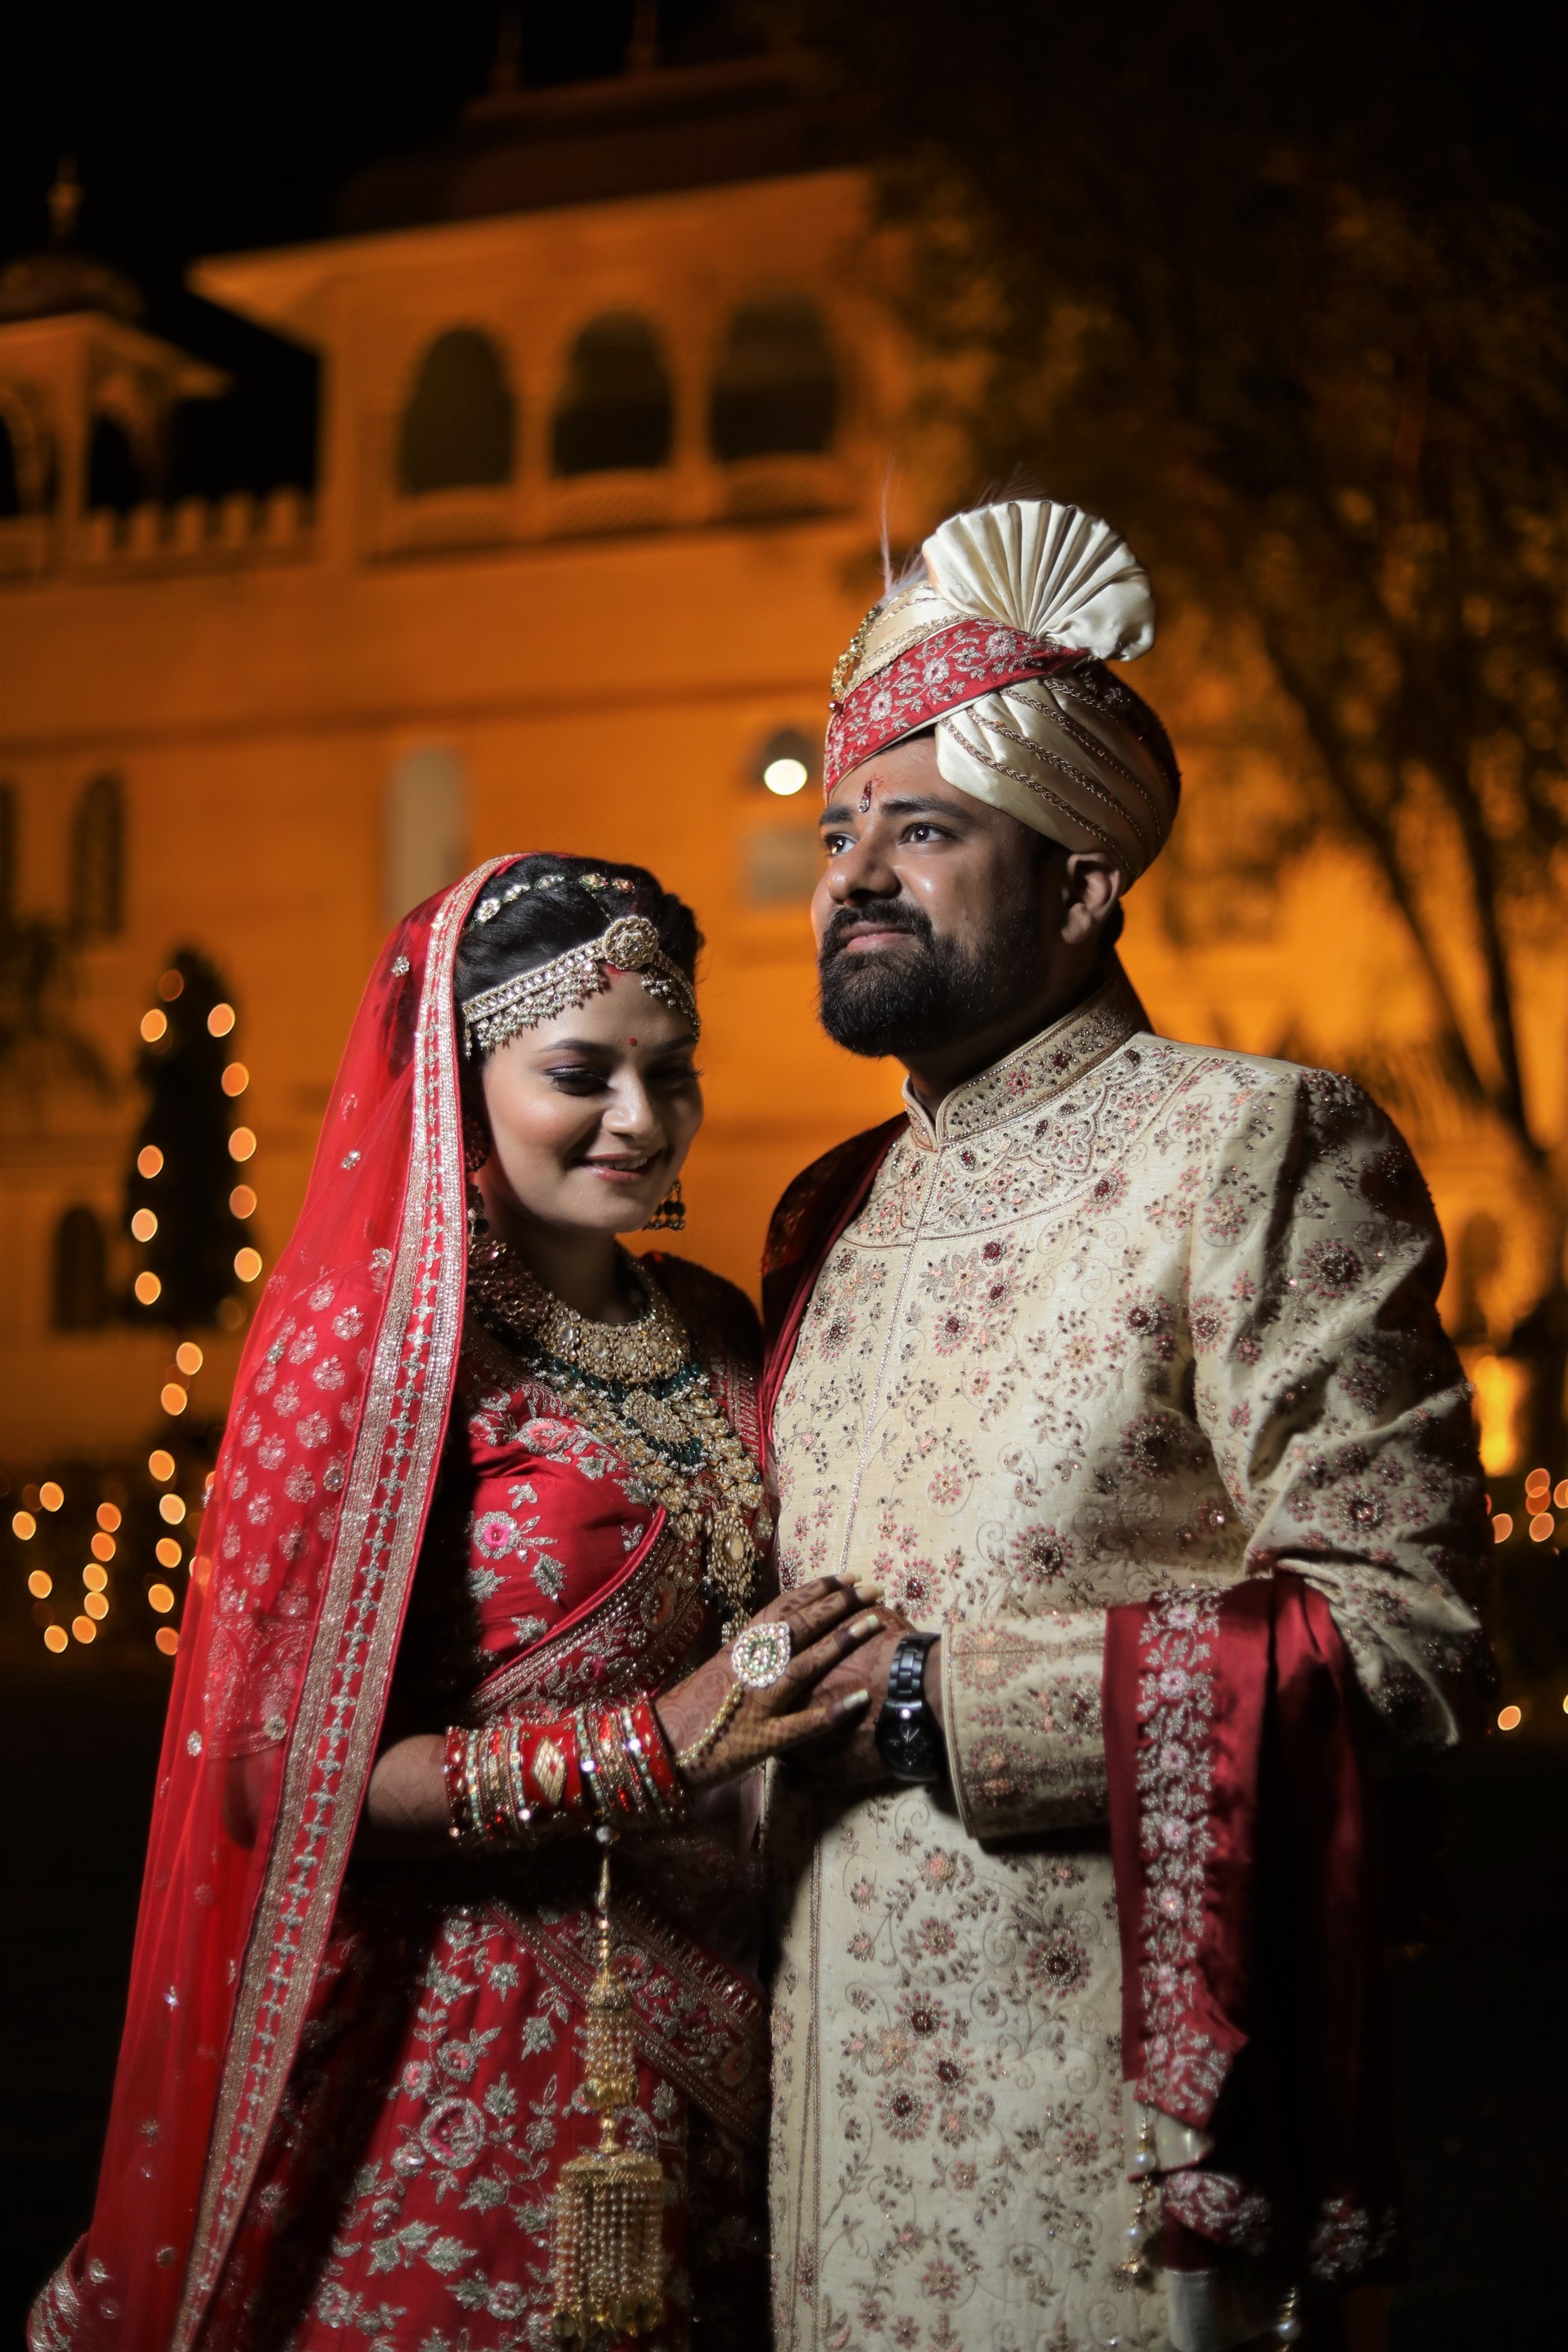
(1128, 1316)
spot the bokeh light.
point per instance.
(161, 1463)
(24, 1524)
(161, 1597)
(248, 1264)
(1543, 1526)
(168, 1641)
(172, 1509)
(56, 1638)
(171, 1397)
(109, 1516)
(51, 1494)
(242, 1200)
(96, 1605)
(103, 1546)
(95, 1577)
(235, 1078)
(84, 1629)
(785, 776)
(143, 1224)
(189, 1356)
(1503, 1526)
(40, 1584)
(148, 1288)
(171, 984)
(154, 1024)
(167, 1552)
(1510, 1719)
(149, 1160)
(220, 1020)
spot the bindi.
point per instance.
(631, 1040)
(865, 800)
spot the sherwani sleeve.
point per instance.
(1334, 1402)
(1339, 1418)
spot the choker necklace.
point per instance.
(639, 1389)
(652, 1346)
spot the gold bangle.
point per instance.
(705, 1741)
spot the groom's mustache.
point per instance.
(893, 915)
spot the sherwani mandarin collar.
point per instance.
(1033, 1075)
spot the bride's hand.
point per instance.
(826, 1620)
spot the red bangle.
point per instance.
(454, 1780)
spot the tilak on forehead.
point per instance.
(1002, 647)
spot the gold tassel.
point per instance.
(609, 2202)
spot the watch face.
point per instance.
(907, 1746)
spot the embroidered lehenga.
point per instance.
(348, 2087)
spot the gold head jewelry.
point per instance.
(567, 982)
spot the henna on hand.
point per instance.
(829, 1621)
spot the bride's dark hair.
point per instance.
(567, 902)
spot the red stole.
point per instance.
(1252, 1991)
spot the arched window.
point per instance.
(426, 827)
(775, 392)
(78, 1273)
(457, 430)
(617, 409)
(10, 474)
(98, 859)
(114, 476)
(27, 455)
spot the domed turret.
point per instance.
(61, 278)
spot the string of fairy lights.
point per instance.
(177, 1513)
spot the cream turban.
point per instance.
(1002, 647)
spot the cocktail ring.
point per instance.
(759, 1656)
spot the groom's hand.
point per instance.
(852, 1757)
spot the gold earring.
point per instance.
(670, 1217)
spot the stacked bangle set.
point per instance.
(512, 1784)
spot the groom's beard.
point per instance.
(934, 993)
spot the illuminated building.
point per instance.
(608, 400)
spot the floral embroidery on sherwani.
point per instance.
(1130, 1316)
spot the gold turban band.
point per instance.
(1002, 647)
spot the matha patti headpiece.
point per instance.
(567, 982)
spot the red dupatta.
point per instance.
(292, 1624)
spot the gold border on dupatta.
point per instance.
(341, 1706)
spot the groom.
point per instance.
(1117, 1362)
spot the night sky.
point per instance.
(200, 130)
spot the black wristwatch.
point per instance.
(909, 1738)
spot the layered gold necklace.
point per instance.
(639, 1389)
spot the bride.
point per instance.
(443, 2033)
